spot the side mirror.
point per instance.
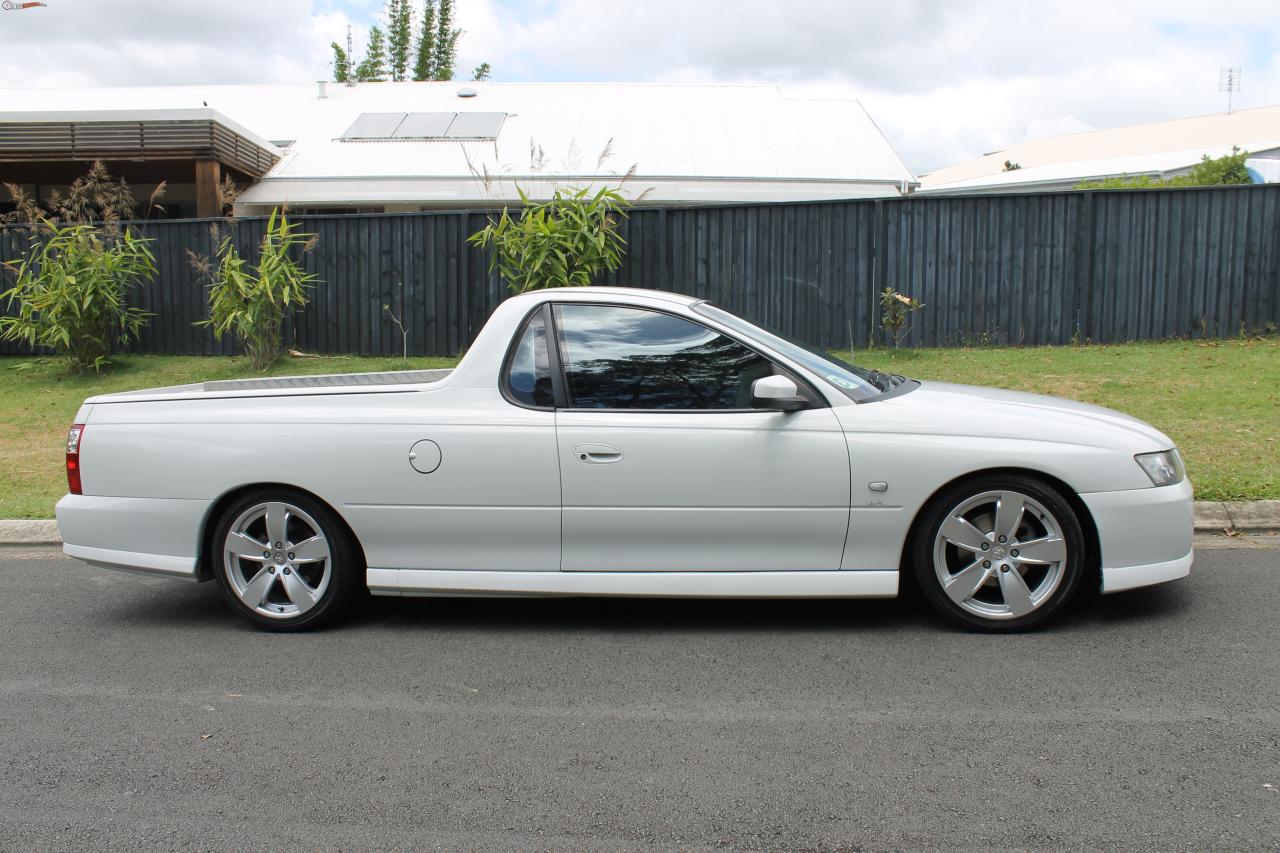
(777, 393)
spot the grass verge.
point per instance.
(1219, 400)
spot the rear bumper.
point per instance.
(157, 536)
(1145, 534)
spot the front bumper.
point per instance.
(1144, 534)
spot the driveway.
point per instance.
(137, 711)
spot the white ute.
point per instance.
(611, 441)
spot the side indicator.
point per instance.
(74, 436)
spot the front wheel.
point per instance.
(1003, 553)
(285, 560)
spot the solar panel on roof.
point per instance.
(424, 125)
(476, 126)
(374, 126)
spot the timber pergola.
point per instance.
(183, 145)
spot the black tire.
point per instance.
(344, 563)
(1058, 581)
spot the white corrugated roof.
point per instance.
(1148, 148)
(682, 139)
(1054, 176)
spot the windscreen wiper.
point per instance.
(878, 379)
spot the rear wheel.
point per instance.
(285, 560)
(1001, 553)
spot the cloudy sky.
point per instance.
(946, 80)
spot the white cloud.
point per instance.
(945, 81)
(122, 42)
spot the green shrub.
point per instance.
(252, 302)
(564, 242)
(71, 292)
(895, 314)
(1227, 170)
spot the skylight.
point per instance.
(388, 126)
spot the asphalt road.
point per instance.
(141, 712)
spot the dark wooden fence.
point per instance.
(1016, 269)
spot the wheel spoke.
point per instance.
(1048, 549)
(310, 550)
(1008, 514)
(246, 547)
(964, 584)
(960, 532)
(277, 522)
(1016, 594)
(298, 591)
(256, 591)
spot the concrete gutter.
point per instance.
(1211, 517)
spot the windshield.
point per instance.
(857, 383)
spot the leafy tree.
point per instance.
(71, 292)
(564, 242)
(252, 302)
(373, 68)
(446, 52)
(399, 37)
(1011, 166)
(341, 63)
(387, 55)
(424, 64)
(1227, 170)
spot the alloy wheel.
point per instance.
(277, 559)
(1000, 555)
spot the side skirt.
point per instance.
(868, 584)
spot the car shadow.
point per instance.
(1144, 604)
(637, 614)
(203, 606)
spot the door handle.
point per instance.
(597, 453)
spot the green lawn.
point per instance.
(1220, 401)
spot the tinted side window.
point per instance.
(529, 376)
(631, 358)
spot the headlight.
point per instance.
(1164, 468)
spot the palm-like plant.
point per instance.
(252, 302)
(72, 289)
(564, 242)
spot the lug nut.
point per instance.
(271, 570)
(1002, 568)
(266, 555)
(288, 571)
(1002, 539)
(986, 564)
(1014, 552)
(985, 546)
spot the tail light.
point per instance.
(73, 458)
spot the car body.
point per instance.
(615, 441)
